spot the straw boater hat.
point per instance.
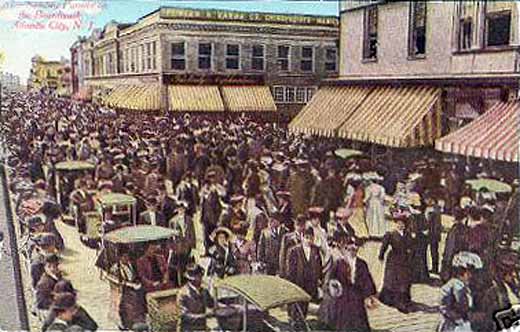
(343, 213)
(315, 211)
(222, 230)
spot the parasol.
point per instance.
(490, 184)
(466, 259)
(347, 153)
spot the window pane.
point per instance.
(205, 49)
(257, 64)
(232, 63)
(310, 93)
(283, 64)
(148, 49)
(204, 62)
(289, 94)
(306, 65)
(232, 50)
(258, 50)
(283, 51)
(466, 33)
(370, 33)
(300, 95)
(307, 52)
(331, 54)
(178, 49)
(330, 66)
(178, 64)
(278, 94)
(499, 29)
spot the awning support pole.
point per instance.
(244, 326)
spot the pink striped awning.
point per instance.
(493, 135)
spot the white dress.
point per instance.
(375, 215)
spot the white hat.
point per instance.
(466, 259)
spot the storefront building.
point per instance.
(50, 76)
(416, 71)
(210, 60)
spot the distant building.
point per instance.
(50, 76)
(411, 72)
(190, 58)
(10, 81)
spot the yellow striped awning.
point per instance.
(195, 98)
(248, 99)
(328, 109)
(135, 97)
(396, 116)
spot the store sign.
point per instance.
(216, 15)
(352, 5)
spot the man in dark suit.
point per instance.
(152, 269)
(152, 215)
(44, 246)
(343, 227)
(183, 243)
(290, 240)
(434, 219)
(304, 268)
(49, 279)
(65, 309)
(269, 245)
(192, 302)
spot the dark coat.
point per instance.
(57, 326)
(81, 319)
(191, 306)
(328, 194)
(132, 307)
(455, 243)
(37, 268)
(220, 265)
(269, 246)
(145, 218)
(305, 273)
(347, 312)
(44, 291)
(434, 220)
(495, 299)
(289, 240)
(420, 231)
(145, 272)
(398, 268)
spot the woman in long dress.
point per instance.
(355, 202)
(374, 198)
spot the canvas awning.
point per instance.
(195, 98)
(396, 116)
(248, 99)
(328, 109)
(493, 135)
(393, 116)
(135, 97)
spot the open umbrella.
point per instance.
(347, 153)
(489, 184)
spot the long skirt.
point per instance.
(358, 223)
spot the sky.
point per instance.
(49, 28)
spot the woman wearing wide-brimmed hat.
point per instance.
(223, 261)
(397, 282)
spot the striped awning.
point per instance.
(328, 109)
(135, 97)
(248, 99)
(396, 116)
(195, 98)
(493, 135)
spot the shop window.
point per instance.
(289, 94)
(278, 92)
(310, 93)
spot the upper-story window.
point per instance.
(205, 52)
(307, 59)
(331, 59)
(258, 61)
(417, 34)
(110, 63)
(232, 56)
(465, 33)
(178, 60)
(148, 56)
(498, 28)
(154, 55)
(142, 57)
(370, 34)
(283, 57)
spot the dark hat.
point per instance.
(35, 221)
(400, 216)
(193, 271)
(508, 261)
(315, 211)
(308, 231)
(64, 286)
(64, 301)
(52, 259)
(46, 240)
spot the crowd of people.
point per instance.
(269, 202)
